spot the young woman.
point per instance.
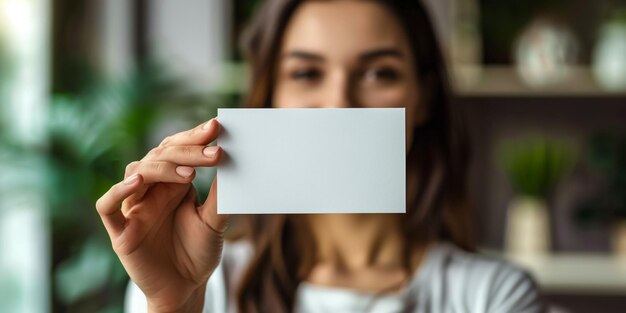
(343, 53)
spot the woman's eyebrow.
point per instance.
(303, 55)
(377, 53)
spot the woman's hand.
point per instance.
(168, 244)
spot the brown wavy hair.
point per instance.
(283, 246)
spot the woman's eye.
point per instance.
(306, 75)
(381, 74)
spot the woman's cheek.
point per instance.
(396, 97)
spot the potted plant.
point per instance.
(92, 135)
(608, 62)
(606, 156)
(534, 166)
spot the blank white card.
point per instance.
(344, 160)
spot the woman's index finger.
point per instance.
(202, 134)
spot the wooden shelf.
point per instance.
(584, 274)
(472, 81)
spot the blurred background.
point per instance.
(89, 86)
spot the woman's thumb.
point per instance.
(208, 211)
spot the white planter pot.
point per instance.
(618, 238)
(528, 228)
(609, 57)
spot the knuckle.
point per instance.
(166, 141)
(130, 168)
(156, 152)
(190, 133)
(187, 151)
(158, 167)
(99, 205)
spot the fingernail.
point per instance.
(131, 179)
(184, 171)
(210, 151)
(207, 125)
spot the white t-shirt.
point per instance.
(449, 280)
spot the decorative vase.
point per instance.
(545, 52)
(528, 228)
(609, 57)
(619, 239)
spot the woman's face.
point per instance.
(338, 54)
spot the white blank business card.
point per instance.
(344, 160)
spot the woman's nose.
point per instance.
(338, 93)
(338, 102)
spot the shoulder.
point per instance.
(478, 266)
(486, 283)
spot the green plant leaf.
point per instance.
(535, 164)
(84, 273)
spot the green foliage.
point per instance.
(606, 155)
(5, 69)
(92, 261)
(535, 164)
(92, 136)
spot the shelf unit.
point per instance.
(584, 274)
(504, 81)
